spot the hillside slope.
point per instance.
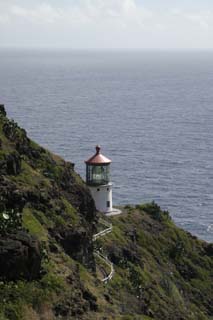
(162, 271)
(47, 222)
(48, 269)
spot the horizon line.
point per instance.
(25, 47)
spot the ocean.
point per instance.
(151, 112)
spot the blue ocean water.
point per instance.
(152, 113)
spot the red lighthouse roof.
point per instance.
(98, 158)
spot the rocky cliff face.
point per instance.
(20, 257)
(57, 212)
(53, 181)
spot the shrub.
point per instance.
(154, 210)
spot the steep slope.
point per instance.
(162, 271)
(47, 222)
(48, 269)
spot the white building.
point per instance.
(98, 181)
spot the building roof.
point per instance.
(98, 158)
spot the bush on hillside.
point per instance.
(154, 210)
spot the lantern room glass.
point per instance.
(98, 174)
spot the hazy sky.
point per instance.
(107, 23)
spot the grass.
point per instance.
(70, 211)
(168, 259)
(33, 225)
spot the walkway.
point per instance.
(114, 212)
(102, 233)
(109, 263)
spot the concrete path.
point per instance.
(109, 263)
(104, 231)
(101, 256)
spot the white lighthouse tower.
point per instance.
(98, 181)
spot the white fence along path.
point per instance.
(109, 263)
(102, 233)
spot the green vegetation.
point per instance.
(161, 271)
(160, 267)
(33, 225)
(70, 211)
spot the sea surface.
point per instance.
(152, 113)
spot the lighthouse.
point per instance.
(98, 181)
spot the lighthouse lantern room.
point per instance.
(98, 181)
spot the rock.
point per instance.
(20, 257)
(209, 249)
(119, 256)
(77, 244)
(24, 148)
(87, 295)
(62, 309)
(2, 110)
(13, 161)
(108, 298)
(115, 255)
(10, 164)
(131, 254)
(81, 198)
(132, 234)
(3, 166)
(11, 196)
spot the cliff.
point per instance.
(48, 269)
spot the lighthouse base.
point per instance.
(102, 196)
(114, 212)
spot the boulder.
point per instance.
(20, 257)
(13, 161)
(10, 164)
(78, 244)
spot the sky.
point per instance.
(107, 24)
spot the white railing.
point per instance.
(101, 256)
(109, 263)
(103, 232)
